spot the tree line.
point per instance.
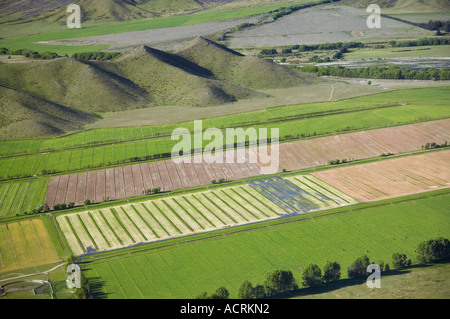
(30, 54)
(278, 282)
(95, 56)
(419, 42)
(84, 56)
(379, 72)
(313, 47)
(344, 47)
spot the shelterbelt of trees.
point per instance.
(377, 72)
(84, 56)
(344, 47)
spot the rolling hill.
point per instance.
(247, 71)
(171, 79)
(203, 73)
(74, 84)
(98, 10)
(26, 116)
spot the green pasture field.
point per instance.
(407, 52)
(74, 152)
(426, 282)
(58, 31)
(22, 196)
(187, 269)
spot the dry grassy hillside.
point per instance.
(203, 73)
(97, 10)
(74, 84)
(25, 116)
(171, 79)
(242, 70)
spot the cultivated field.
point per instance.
(301, 194)
(158, 219)
(127, 181)
(187, 269)
(98, 148)
(20, 197)
(391, 178)
(25, 244)
(181, 215)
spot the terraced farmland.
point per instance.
(25, 244)
(391, 178)
(164, 218)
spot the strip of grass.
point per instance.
(178, 216)
(198, 212)
(20, 197)
(410, 52)
(134, 224)
(87, 231)
(188, 214)
(74, 232)
(109, 226)
(166, 218)
(119, 220)
(98, 228)
(145, 221)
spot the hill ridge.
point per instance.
(203, 73)
(247, 71)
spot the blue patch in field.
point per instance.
(285, 194)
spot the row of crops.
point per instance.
(131, 224)
(169, 217)
(20, 197)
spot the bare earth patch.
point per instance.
(391, 178)
(331, 23)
